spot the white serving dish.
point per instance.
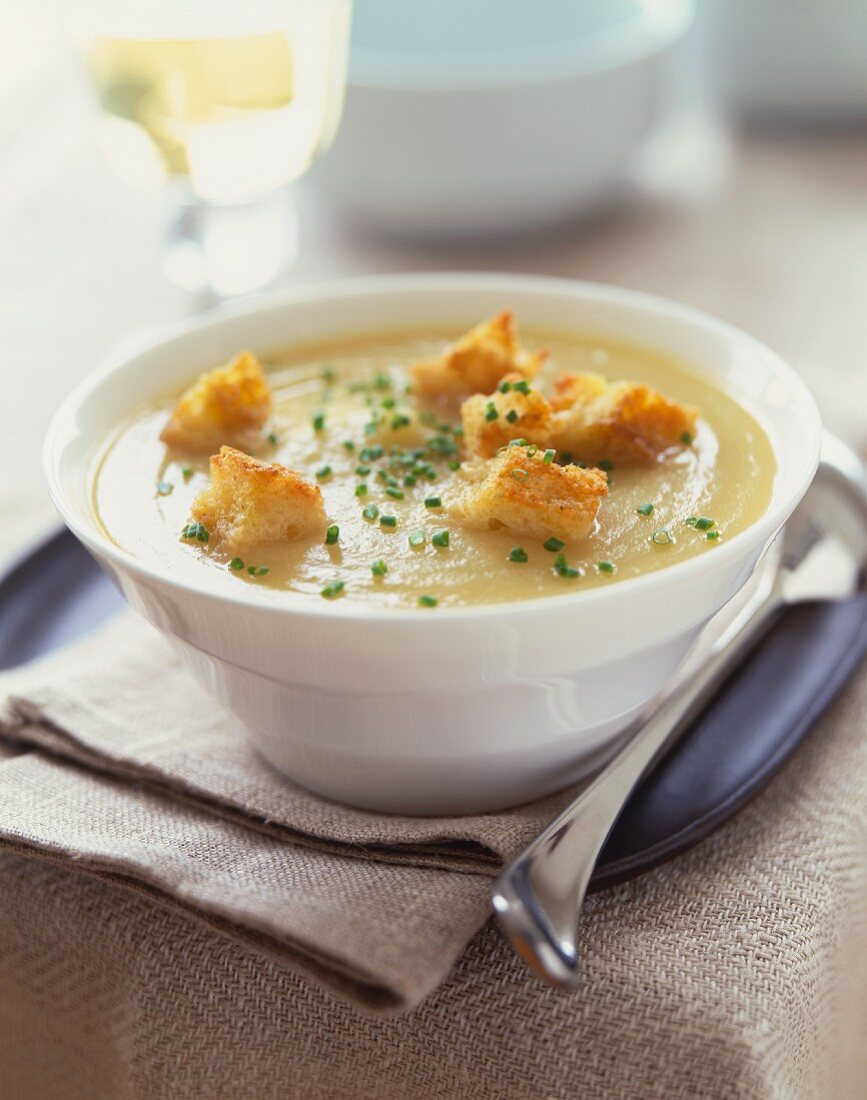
(463, 709)
(497, 116)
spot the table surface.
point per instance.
(769, 232)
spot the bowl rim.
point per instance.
(756, 535)
(652, 27)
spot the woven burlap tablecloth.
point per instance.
(170, 929)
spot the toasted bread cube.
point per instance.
(491, 421)
(250, 502)
(620, 422)
(225, 405)
(520, 491)
(476, 362)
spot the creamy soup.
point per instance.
(386, 490)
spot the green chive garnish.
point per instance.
(521, 387)
(441, 538)
(187, 472)
(361, 490)
(258, 570)
(433, 502)
(323, 472)
(332, 535)
(362, 471)
(400, 421)
(395, 494)
(491, 411)
(319, 422)
(164, 488)
(511, 416)
(348, 445)
(645, 509)
(454, 464)
(272, 438)
(388, 521)
(605, 567)
(379, 568)
(519, 475)
(427, 601)
(417, 538)
(328, 376)
(504, 387)
(711, 536)
(606, 465)
(196, 531)
(388, 402)
(332, 591)
(548, 456)
(370, 511)
(518, 553)
(562, 567)
(704, 523)
(237, 564)
(686, 439)
(553, 544)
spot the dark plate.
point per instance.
(57, 593)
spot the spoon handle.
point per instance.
(538, 898)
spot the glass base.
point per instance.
(230, 250)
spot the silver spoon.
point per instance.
(820, 556)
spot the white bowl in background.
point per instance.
(465, 709)
(496, 116)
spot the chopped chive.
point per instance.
(519, 475)
(187, 472)
(409, 481)
(164, 488)
(388, 402)
(491, 411)
(379, 568)
(272, 438)
(237, 564)
(258, 570)
(417, 538)
(395, 494)
(348, 445)
(605, 567)
(388, 521)
(511, 416)
(323, 472)
(370, 511)
(361, 490)
(362, 471)
(504, 387)
(606, 465)
(400, 421)
(645, 509)
(196, 531)
(454, 464)
(686, 438)
(319, 422)
(662, 537)
(427, 601)
(328, 376)
(332, 591)
(521, 387)
(704, 523)
(711, 536)
(332, 535)
(548, 456)
(518, 553)
(562, 567)
(553, 544)
(382, 381)
(433, 502)
(441, 538)
(517, 443)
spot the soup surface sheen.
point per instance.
(325, 396)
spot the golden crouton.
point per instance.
(517, 489)
(250, 502)
(225, 405)
(619, 422)
(490, 422)
(476, 362)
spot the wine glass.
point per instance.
(225, 104)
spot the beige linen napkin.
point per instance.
(133, 774)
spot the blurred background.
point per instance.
(157, 158)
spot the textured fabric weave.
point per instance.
(736, 972)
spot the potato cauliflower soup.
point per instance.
(405, 470)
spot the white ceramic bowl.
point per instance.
(496, 116)
(465, 709)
